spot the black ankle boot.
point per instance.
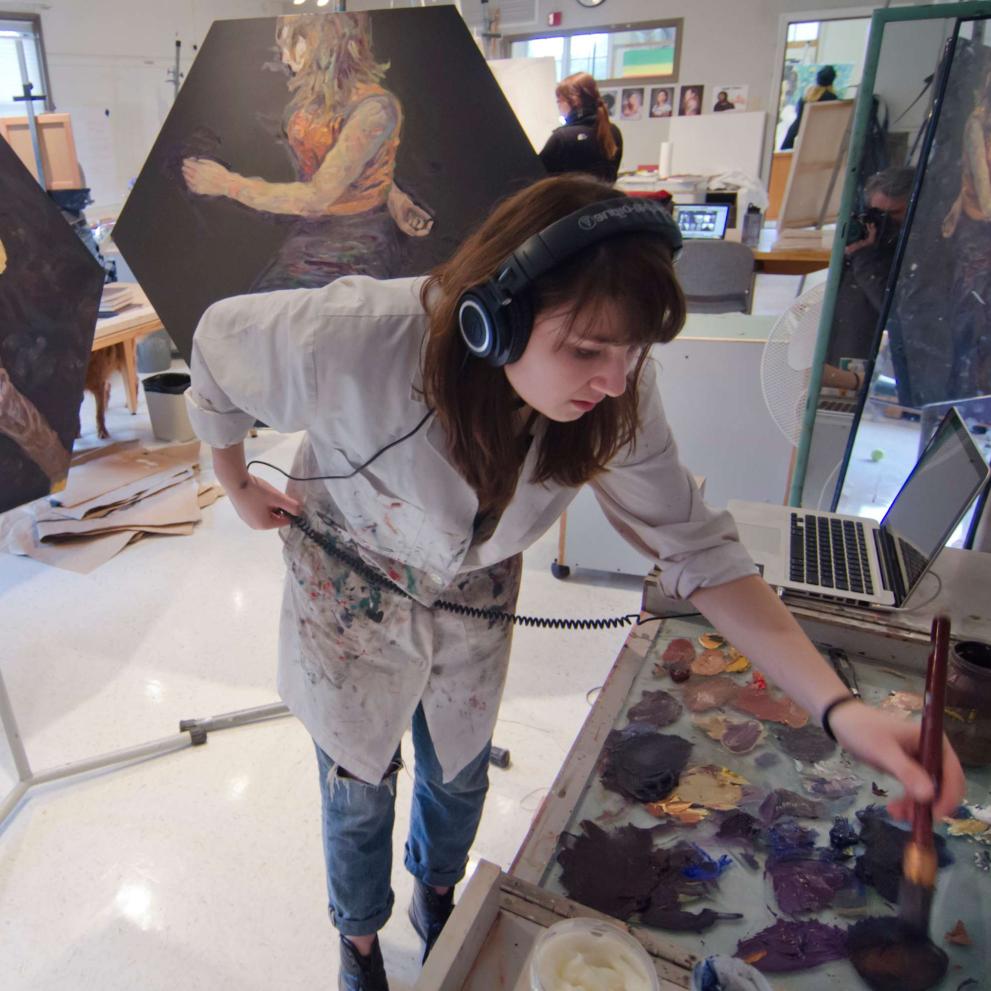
(360, 973)
(428, 912)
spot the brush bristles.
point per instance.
(914, 906)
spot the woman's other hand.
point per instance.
(262, 506)
(411, 219)
(209, 178)
(891, 744)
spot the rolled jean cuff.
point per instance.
(363, 927)
(434, 878)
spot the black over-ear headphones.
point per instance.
(495, 317)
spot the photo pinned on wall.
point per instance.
(610, 97)
(690, 101)
(306, 147)
(632, 103)
(729, 98)
(661, 101)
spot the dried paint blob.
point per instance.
(678, 920)
(739, 825)
(712, 641)
(788, 838)
(763, 704)
(683, 813)
(807, 884)
(736, 737)
(711, 787)
(843, 835)
(680, 651)
(790, 946)
(831, 783)
(807, 743)
(643, 765)
(709, 663)
(611, 872)
(958, 935)
(737, 665)
(782, 802)
(904, 703)
(889, 957)
(660, 709)
(709, 694)
(880, 865)
(969, 827)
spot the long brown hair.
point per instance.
(631, 274)
(339, 58)
(580, 91)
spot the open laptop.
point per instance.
(702, 221)
(856, 559)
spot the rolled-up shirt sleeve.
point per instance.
(652, 501)
(253, 360)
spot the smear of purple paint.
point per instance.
(790, 946)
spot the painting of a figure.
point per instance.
(307, 147)
(50, 289)
(940, 319)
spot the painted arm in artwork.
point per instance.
(21, 421)
(24, 424)
(371, 124)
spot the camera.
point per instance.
(857, 229)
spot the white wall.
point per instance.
(107, 62)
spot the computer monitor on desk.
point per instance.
(702, 221)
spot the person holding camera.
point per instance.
(866, 264)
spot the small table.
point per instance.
(126, 328)
(791, 262)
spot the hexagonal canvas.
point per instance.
(310, 146)
(50, 289)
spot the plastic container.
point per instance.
(568, 949)
(167, 406)
(154, 353)
(968, 702)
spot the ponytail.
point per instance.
(603, 131)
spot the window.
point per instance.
(25, 28)
(646, 51)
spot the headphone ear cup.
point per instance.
(520, 324)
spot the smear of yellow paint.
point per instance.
(737, 666)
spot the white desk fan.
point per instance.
(786, 365)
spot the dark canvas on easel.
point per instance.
(940, 320)
(307, 147)
(50, 289)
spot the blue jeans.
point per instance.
(357, 831)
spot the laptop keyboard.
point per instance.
(830, 553)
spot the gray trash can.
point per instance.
(167, 406)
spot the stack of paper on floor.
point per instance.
(109, 502)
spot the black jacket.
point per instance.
(575, 148)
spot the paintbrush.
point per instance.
(919, 862)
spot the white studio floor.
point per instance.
(203, 868)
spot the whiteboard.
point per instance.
(528, 85)
(714, 143)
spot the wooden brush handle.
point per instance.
(931, 734)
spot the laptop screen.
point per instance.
(935, 496)
(702, 220)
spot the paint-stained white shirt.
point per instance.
(342, 363)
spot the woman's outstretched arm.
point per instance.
(363, 135)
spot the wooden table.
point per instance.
(126, 328)
(791, 262)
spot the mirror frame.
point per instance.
(861, 121)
